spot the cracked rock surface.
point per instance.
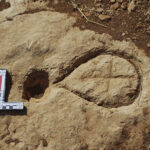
(98, 92)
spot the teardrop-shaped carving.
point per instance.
(109, 81)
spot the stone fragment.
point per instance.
(148, 12)
(120, 1)
(112, 1)
(124, 5)
(56, 2)
(131, 6)
(98, 1)
(104, 17)
(114, 6)
(123, 34)
(99, 10)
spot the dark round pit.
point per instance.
(35, 84)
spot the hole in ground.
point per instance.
(4, 5)
(35, 84)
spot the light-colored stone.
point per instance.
(104, 17)
(99, 10)
(120, 1)
(112, 1)
(114, 6)
(131, 6)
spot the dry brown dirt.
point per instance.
(121, 26)
(85, 86)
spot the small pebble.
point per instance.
(123, 34)
(131, 6)
(120, 1)
(104, 17)
(114, 6)
(112, 1)
(99, 10)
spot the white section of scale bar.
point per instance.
(11, 106)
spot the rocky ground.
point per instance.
(82, 70)
(122, 19)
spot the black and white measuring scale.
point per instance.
(7, 105)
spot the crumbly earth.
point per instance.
(95, 92)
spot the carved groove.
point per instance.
(88, 57)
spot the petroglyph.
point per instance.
(109, 81)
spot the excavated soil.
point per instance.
(85, 85)
(121, 26)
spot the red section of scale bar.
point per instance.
(0, 82)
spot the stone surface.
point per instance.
(106, 80)
(63, 118)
